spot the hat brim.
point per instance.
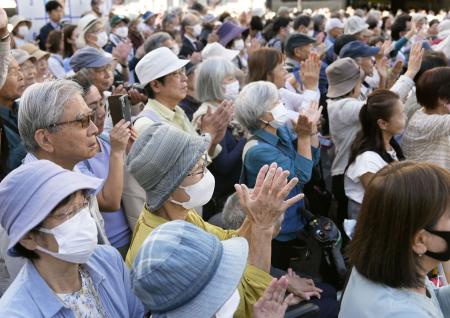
(221, 287)
(345, 87)
(77, 182)
(237, 30)
(28, 22)
(195, 148)
(172, 68)
(40, 54)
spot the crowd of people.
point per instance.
(250, 138)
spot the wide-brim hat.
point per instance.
(34, 51)
(21, 56)
(218, 50)
(32, 191)
(342, 76)
(16, 19)
(228, 31)
(158, 63)
(222, 265)
(161, 158)
(82, 26)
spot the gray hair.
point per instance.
(209, 78)
(232, 215)
(42, 105)
(253, 101)
(156, 41)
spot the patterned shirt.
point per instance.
(84, 303)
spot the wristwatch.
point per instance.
(5, 37)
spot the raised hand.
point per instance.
(119, 136)
(309, 71)
(216, 122)
(273, 304)
(396, 70)
(267, 203)
(3, 22)
(415, 60)
(122, 50)
(381, 66)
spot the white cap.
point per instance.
(355, 24)
(333, 23)
(258, 12)
(83, 24)
(218, 50)
(158, 63)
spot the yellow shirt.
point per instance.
(253, 282)
(176, 118)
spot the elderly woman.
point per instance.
(216, 83)
(267, 64)
(260, 111)
(410, 203)
(46, 216)
(170, 165)
(427, 136)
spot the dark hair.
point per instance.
(380, 105)
(399, 26)
(52, 5)
(256, 23)
(280, 22)
(81, 79)
(384, 19)
(303, 19)
(54, 39)
(196, 6)
(148, 91)
(318, 20)
(372, 22)
(433, 85)
(224, 16)
(373, 41)
(343, 40)
(434, 21)
(402, 199)
(431, 59)
(262, 62)
(68, 31)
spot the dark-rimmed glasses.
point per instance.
(202, 169)
(85, 120)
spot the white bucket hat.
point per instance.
(355, 24)
(157, 64)
(83, 24)
(217, 50)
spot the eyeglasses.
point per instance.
(202, 169)
(85, 120)
(68, 213)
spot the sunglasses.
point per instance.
(85, 120)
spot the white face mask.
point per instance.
(229, 308)
(197, 30)
(175, 49)
(280, 116)
(232, 90)
(76, 238)
(199, 193)
(122, 32)
(102, 39)
(23, 31)
(238, 44)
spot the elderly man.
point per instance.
(334, 29)
(27, 66)
(162, 75)
(357, 26)
(192, 28)
(56, 124)
(13, 152)
(160, 39)
(5, 39)
(298, 49)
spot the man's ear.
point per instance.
(44, 139)
(155, 86)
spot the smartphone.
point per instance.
(119, 108)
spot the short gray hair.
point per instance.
(156, 41)
(209, 78)
(232, 215)
(253, 101)
(42, 105)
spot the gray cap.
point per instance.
(342, 76)
(21, 56)
(161, 158)
(88, 57)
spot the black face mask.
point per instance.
(445, 255)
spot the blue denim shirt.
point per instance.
(30, 296)
(282, 150)
(10, 128)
